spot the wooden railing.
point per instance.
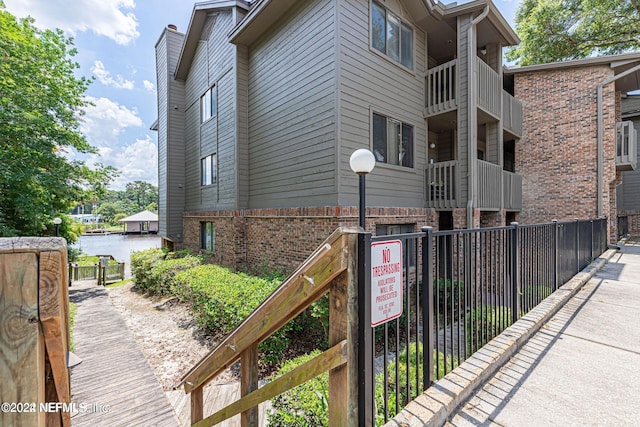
(489, 88)
(331, 268)
(441, 88)
(511, 114)
(626, 146)
(512, 184)
(489, 185)
(441, 184)
(34, 331)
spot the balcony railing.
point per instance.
(489, 88)
(512, 194)
(441, 88)
(442, 184)
(511, 114)
(489, 184)
(626, 146)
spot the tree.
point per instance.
(41, 101)
(141, 194)
(556, 30)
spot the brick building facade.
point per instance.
(563, 125)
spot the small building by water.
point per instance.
(141, 223)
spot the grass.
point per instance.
(88, 260)
(120, 283)
(73, 309)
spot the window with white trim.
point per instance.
(392, 141)
(209, 169)
(208, 104)
(391, 36)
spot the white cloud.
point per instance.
(105, 120)
(136, 162)
(105, 78)
(148, 85)
(104, 17)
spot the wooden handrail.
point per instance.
(330, 359)
(308, 283)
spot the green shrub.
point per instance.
(162, 273)
(304, 405)
(307, 404)
(485, 323)
(414, 351)
(141, 264)
(222, 299)
(453, 291)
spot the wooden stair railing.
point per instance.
(331, 268)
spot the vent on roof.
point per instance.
(172, 27)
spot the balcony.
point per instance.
(512, 191)
(442, 185)
(626, 146)
(440, 89)
(511, 114)
(441, 94)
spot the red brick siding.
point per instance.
(557, 155)
(280, 239)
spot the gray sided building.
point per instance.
(261, 104)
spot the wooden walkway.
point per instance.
(114, 378)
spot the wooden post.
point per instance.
(338, 323)
(197, 405)
(343, 324)
(249, 383)
(34, 337)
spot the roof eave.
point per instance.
(194, 30)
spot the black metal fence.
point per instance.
(480, 282)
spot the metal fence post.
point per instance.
(591, 240)
(427, 306)
(366, 394)
(555, 254)
(515, 272)
(577, 220)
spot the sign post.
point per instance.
(386, 281)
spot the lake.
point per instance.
(118, 245)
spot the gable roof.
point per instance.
(143, 216)
(194, 30)
(264, 13)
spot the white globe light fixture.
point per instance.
(57, 221)
(362, 162)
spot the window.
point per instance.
(209, 104)
(408, 246)
(208, 236)
(391, 36)
(209, 169)
(392, 141)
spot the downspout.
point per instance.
(472, 124)
(600, 178)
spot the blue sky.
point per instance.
(115, 41)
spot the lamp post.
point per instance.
(57, 221)
(362, 162)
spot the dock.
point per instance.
(114, 385)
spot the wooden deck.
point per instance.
(114, 374)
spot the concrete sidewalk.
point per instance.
(581, 368)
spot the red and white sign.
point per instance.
(386, 281)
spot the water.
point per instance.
(118, 245)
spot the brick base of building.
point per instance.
(261, 240)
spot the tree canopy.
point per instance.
(41, 104)
(556, 30)
(137, 196)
